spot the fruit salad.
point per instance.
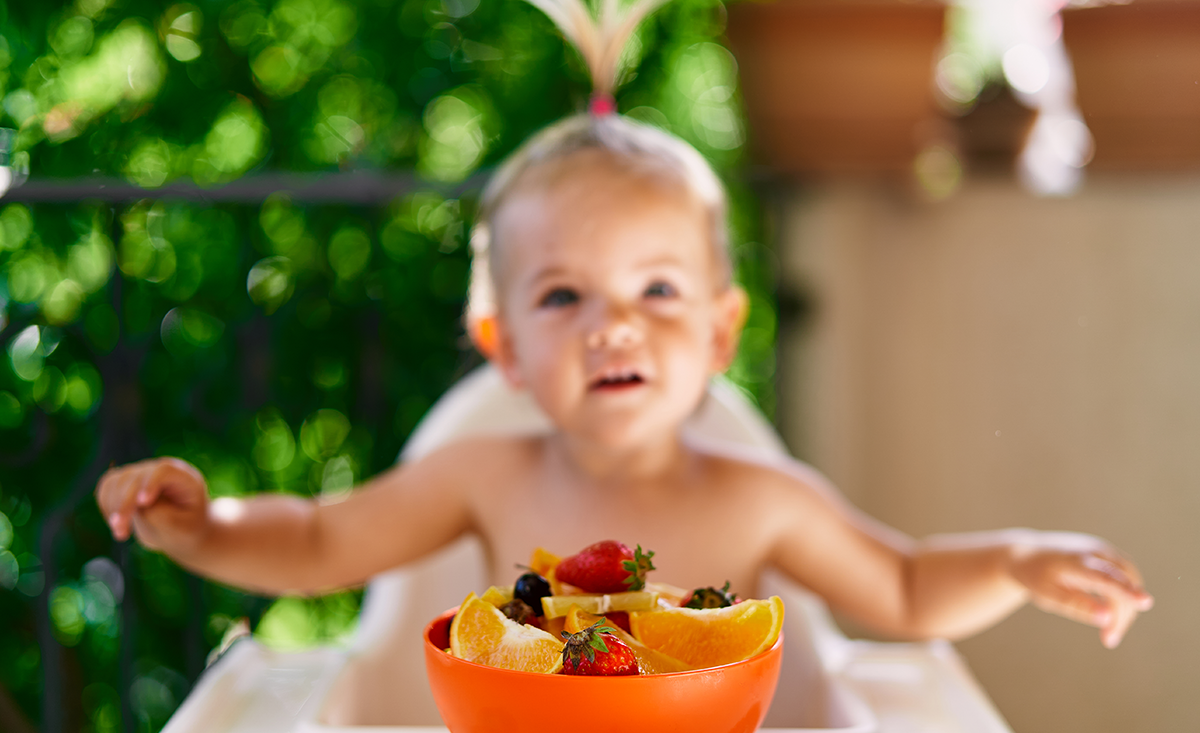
(595, 613)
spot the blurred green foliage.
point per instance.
(280, 346)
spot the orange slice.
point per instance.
(711, 636)
(650, 661)
(553, 626)
(481, 633)
(543, 561)
(578, 619)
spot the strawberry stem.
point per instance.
(586, 642)
(638, 567)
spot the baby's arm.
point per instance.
(276, 543)
(951, 585)
(957, 580)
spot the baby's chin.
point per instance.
(628, 431)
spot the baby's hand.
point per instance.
(1083, 578)
(164, 501)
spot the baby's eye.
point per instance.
(661, 289)
(558, 298)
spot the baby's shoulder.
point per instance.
(769, 475)
(485, 453)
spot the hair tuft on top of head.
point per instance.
(600, 37)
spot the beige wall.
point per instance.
(1002, 360)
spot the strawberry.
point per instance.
(620, 619)
(595, 651)
(606, 567)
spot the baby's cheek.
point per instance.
(553, 375)
(689, 370)
(539, 358)
(697, 343)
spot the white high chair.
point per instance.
(827, 683)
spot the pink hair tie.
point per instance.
(602, 104)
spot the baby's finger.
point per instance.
(150, 487)
(132, 483)
(1122, 618)
(1143, 600)
(104, 491)
(176, 481)
(1118, 558)
(1125, 606)
(1104, 577)
(1074, 604)
(1117, 592)
(111, 493)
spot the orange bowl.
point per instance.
(474, 698)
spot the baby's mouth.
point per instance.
(617, 380)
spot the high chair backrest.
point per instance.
(385, 682)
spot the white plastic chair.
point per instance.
(828, 682)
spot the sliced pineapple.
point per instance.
(668, 595)
(600, 603)
(633, 600)
(498, 595)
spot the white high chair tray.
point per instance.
(884, 688)
(828, 683)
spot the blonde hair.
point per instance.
(601, 41)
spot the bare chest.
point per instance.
(701, 535)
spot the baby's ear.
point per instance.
(489, 338)
(482, 330)
(733, 306)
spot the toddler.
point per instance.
(602, 285)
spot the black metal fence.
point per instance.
(120, 420)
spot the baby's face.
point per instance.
(612, 310)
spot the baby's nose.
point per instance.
(614, 331)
